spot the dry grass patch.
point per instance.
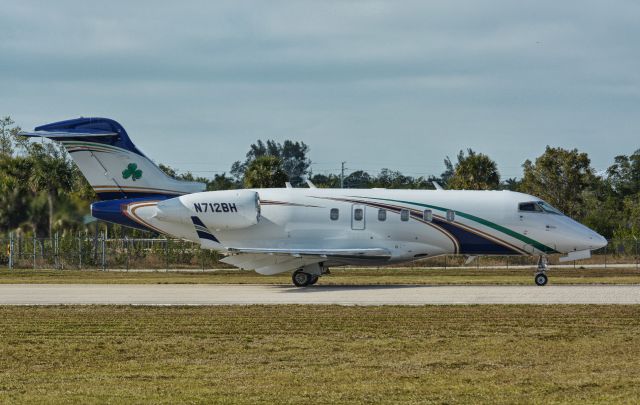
(320, 354)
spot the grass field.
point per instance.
(371, 276)
(325, 354)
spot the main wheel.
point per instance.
(541, 279)
(301, 279)
(314, 279)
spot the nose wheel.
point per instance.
(541, 279)
(541, 276)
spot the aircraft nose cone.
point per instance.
(594, 241)
(599, 241)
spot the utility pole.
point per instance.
(342, 175)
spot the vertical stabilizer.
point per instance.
(112, 164)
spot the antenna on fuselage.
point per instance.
(287, 184)
(311, 185)
(437, 185)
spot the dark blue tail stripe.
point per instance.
(202, 230)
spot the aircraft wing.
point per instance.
(274, 261)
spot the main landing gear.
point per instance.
(541, 275)
(302, 279)
(308, 275)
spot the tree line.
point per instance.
(42, 191)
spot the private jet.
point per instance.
(306, 231)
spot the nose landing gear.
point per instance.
(541, 275)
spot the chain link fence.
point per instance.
(95, 251)
(84, 251)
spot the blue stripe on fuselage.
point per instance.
(113, 210)
(471, 243)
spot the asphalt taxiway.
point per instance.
(217, 294)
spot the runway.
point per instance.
(217, 294)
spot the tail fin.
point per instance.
(112, 164)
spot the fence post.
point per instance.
(166, 253)
(104, 246)
(79, 251)
(11, 251)
(95, 244)
(56, 259)
(34, 251)
(202, 256)
(126, 249)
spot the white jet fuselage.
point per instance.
(408, 224)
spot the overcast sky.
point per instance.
(397, 84)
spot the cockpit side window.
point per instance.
(529, 207)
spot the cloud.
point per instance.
(402, 83)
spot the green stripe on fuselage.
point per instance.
(540, 246)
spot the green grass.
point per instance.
(320, 354)
(341, 276)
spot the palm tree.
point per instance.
(50, 173)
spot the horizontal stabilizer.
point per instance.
(63, 135)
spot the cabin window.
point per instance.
(334, 214)
(427, 215)
(451, 215)
(382, 215)
(404, 215)
(529, 207)
(358, 214)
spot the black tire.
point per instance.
(541, 279)
(314, 279)
(300, 278)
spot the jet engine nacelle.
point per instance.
(229, 209)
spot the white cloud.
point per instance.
(403, 83)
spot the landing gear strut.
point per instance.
(541, 275)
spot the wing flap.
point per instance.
(377, 253)
(274, 261)
(269, 264)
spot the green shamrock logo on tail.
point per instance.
(132, 171)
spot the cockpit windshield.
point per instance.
(549, 208)
(539, 206)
